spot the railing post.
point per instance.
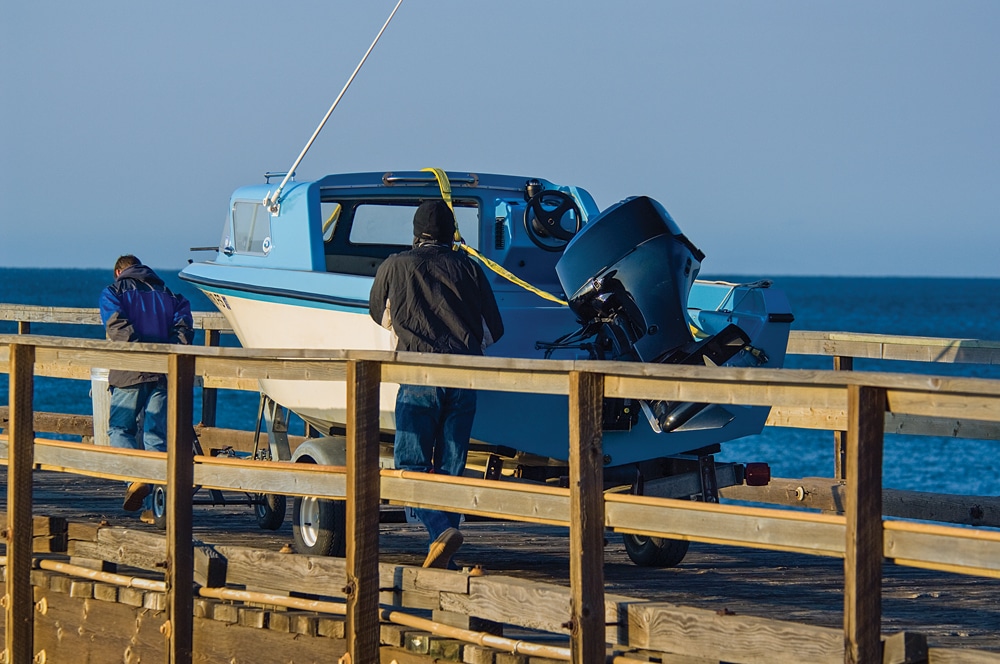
(586, 530)
(23, 327)
(863, 548)
(18, 599)
(840, 363)
(363, 496)
(180, 484)
(209, 395)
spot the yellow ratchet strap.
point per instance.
(445, 186)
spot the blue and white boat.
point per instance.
(296, 273)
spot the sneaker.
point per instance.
(443, 548)
(147, 516)
(134, 495)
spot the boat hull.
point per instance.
(536, 425)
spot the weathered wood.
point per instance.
(18, 532)
(209, 396)
(827, 494)
(840, 363)
(904, 648)
(180, 477)
(362, 507)
(117, 632)
(586, 507)
(961, 656)
(945, 548)
(77, 425)
(863, 547)
(209, 567)
(689, 631)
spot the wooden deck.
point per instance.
(951, 610)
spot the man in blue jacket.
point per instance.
(435, 300)
(139, 307)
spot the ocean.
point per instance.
(954, 308)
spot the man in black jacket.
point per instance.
(435, 300)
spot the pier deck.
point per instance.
(951, 610)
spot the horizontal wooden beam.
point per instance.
(203, 320)
(892, 347)
(827, 494)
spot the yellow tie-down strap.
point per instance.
(445, 186)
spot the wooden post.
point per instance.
(586, 530)
(363, 491)
(840, 437)
(23, 327)
(863, 548)
(180, 483)
(209, 395)
(18, 600)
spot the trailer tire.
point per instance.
(319, 526)
(654, 551)
(270, 510)
(159, 507)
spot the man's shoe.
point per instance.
(443, 548)
(147, 517)
(134, 495)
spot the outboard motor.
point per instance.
(628, 274)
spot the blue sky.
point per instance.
(785, 137)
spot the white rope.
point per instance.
(272, 199)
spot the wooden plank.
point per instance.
(78, 630)
(78, 425)
(943, 547)
(840, 363)
(863, 546)
(734, 525)
(732, 638)
(209, 395)
(180, 478)
(92, 316)
(961, 656)
(827, 494)
(18, 623)
(586, 507)
(362, 507)
(532, 503)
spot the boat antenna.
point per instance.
(273, 199)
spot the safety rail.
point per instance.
(859, 536)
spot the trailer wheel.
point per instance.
(159, 508)
(269, 510)
(654, 551)
(319, 526)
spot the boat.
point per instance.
(572, 282)
(301, 279)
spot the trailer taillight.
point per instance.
(758, 474)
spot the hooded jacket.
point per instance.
(435, 300)
(139, 307)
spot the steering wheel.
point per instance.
(544, 216)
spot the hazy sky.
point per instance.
(785, 137)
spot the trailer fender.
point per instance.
(326, 451)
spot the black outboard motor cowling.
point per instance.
(630, 271)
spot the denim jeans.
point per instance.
(433, 425)
(127, 403)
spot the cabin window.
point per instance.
(251, 228)
(393, 224)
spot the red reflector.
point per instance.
(758, 474)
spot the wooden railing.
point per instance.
(859, 535)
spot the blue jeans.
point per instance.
(433, 425)
(127, 403)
